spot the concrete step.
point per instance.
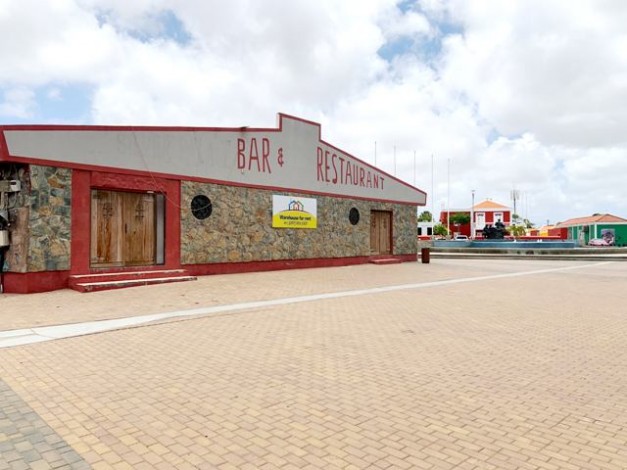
(119, 280)
(386, 261)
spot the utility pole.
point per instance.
(515, 196)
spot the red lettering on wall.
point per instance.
(254, 154)
(319, 164)
(334, 168)
(261, 163)
(265, 151)
(341, 170)
(241, 158)
(326, 165)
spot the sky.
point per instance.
(451, 96)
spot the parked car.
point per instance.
(598, 242)
(461, 237)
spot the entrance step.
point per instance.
(119, 280)
(385, 261)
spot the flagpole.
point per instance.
(448, 198)
(414, 168)
(432, 203)
(375, 153)
(395, 160)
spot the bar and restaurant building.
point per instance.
(82, 203)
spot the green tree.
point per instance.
(516, 230)
(425, 217)
(460, 219)
(441, 230)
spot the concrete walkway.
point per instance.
(456, 364)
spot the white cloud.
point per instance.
(19, 102)
(549, 68)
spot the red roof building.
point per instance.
(484, 213)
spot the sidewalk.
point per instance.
(458, 364)
(68, 306)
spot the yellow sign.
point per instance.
(291, 212)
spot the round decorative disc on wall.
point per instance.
(201, 207)
(353, 216)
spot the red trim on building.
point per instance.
(4, 148)
(275, 265)
(82, 184)
(30, 283)
(172, 245)
(81, 222)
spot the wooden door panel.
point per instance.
(374, 233)
(106, 228)
(385, 233)
(381, 232)
(139, 232)
(123, 228)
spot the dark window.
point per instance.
(201, 207)
(353, 216)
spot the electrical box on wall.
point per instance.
(10, 186)
(4, 240)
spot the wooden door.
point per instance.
(139, 228)
(381, 232)
(123, 228)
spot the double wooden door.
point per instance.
(123, 228)
(381, 232)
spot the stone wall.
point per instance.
(240, 227)
(41, 221)
(50, 218)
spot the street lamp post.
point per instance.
(472, 216)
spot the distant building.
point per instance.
(485, 213)
(425, 229)
(549, 231)
(605, 226)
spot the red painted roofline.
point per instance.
(4, 148)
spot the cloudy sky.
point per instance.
(449, 95)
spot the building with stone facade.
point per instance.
(85, 205)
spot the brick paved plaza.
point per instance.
(467, 364)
